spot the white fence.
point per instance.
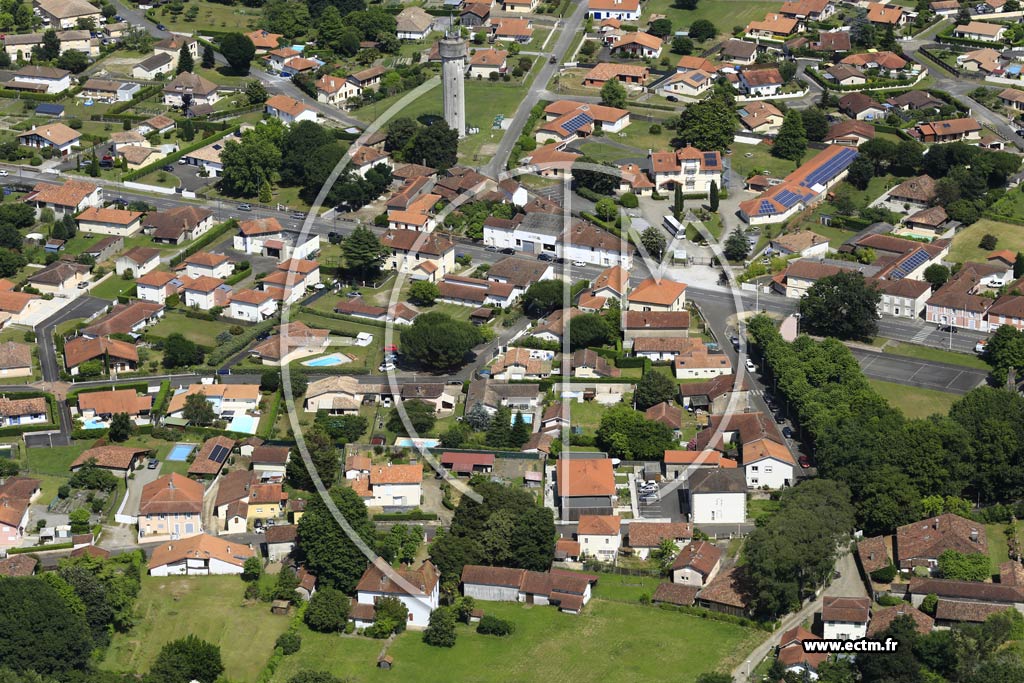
(149, 188)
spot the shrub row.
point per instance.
(400, 516)
(173, 158)
(162, 398)
(40, 548)
(342, 316)
(224, 351)
(144, 94)
(237, 277)
(275, 408)
(719, 616)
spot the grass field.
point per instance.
(547, 645)
(761, 160)
(586, 415)
(762, 508)
(210, 607)
(212, 16)
(724, 14)
(202, 332)
(966, 243)
(937, 355)
(112, 287)
(914, 402)
(997, 546)
(836, 236)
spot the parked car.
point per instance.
(385, 367)
(750, 365)
(169, 168)
(83, 285)
(507, 251)
(804, 461)
(3, 173)
(299, 216)
(161, 27)
(779, 418)
(672, 98)
(579, 264)
(787, 432)
(152, 464)
(545, 257)
(948, 328)
(245, 207)
(735, 342)
(648, 499)
(490, 247)
(980, 346)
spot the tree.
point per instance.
(436, 145)
(74, 61)
(653, 239)
(420, 414)
(238, 49)
(197, 410)
(121, 427)
(681, 45)
(702, 30)
(324, 457)
(589, 329)
(988, 242)
(252, 569)
(441, 630)
(965, 566)
(713, 197)
(963, 15)
(685, 4)
(438, 342)
(209, 58)
(423, 292)
(707, 125)
(815, 123)
(860, 172)
(249, 164)
(661, 28)
(499, 433)
(543, 297)
(11, 262)
(343, 428)
(50, 48)
(327, 611)
(605, 209)
(626, 433)
(737, 246)
(363, 252)
(185, 61)
(791, 142)
(42, 631)
(187, 659)
(400, 131)
(844, 305)
(187, 130)
(477, 418)
(613, 94)
(326, 547)
(654, 388)
(520, 433)
(936, 275)
(255, 92)
(1005, 351)
(602, 182)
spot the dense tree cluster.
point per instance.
(791, 556)
(505, 529)
(891, 463)
(437, 341)
(324, 455)
(707, 125)
(325, 546)
(844, 305)
(626, 433)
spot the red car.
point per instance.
(804, 461)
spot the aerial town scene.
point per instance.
(432, 341)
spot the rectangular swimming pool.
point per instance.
(327, 361)
(406, 442)
(181, 451)
(246, 424)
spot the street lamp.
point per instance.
(797, 316)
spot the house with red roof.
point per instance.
(600, 536)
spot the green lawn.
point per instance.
(914, 402)
(112, 287)
(609, 641)
(625, 588)
(604, 153)
(1011, 205)
(586, 415)
(759, 161)
(724, 14)
(938, 355)
(56, 460)
(639, 135)
(836, 236)
(757, 509)
(966, 243)
(210, 607)
(202, 332)
(212, 17)
(997, 546)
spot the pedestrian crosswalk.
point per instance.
(921, 335)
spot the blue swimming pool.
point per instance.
(406, 442)
(94, 423)
(527, 418)
(246, 424)
(327, 361)
(181, 451)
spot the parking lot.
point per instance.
(660, 500)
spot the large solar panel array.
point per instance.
(787, 198)
(219, 453)
(576, 122)
(916, 260)
(831, 168)
(766, 208)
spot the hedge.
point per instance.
(40, 548)
(275, 408)
(228, 349)
(173, 158)
(210, 237)
(400, 516)
(872, 83)
(948, 37)
(238, 277)
(141, 387)
(341, 316)
(162, 398)
(719, 616)
(143, 94)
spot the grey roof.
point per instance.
(155, 61)
(718, 481)
(543, 223)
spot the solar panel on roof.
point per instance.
(831, 168)
(917, 259)
(710, 159)
(576, 122)
(219, 453)
(766, 208)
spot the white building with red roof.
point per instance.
(690, 168)
(288, 110)
(623, 10)
(566, 120)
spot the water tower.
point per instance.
(453, 72)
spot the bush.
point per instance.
(884, 575)
(493, 626)
(888, 600)
(289, 642)
(988, 242)
(327, 611)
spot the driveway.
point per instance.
(142, 477)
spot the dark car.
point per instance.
(552, 59)
(804, 461)
(787, 432)
(161, 27)
(672, 98)
(545, 257)
(779, 418)
(947, 328)
(169, 168)
(507, 250)
(559, 260)
(120, 201)
(152, 464)
(333, 237)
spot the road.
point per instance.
(568, 30)
(82, 307)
